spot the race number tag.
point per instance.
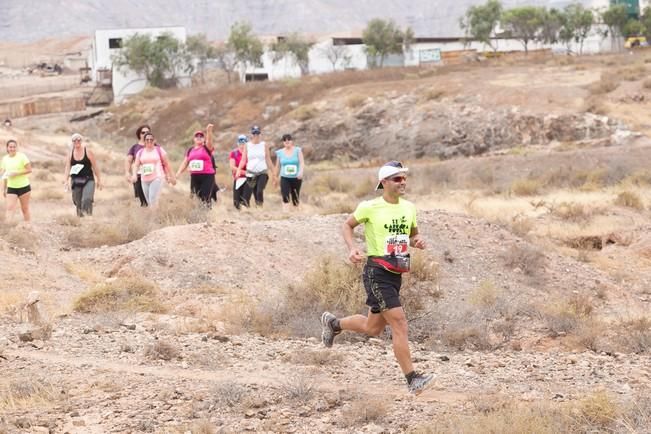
(291, 170)
(76, 168)
(196, 165)
(396, 245)
(148, 169)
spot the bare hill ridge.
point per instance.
(29, 21)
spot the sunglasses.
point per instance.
(77, 140)
(149, 140)
(144, 132)
(398, 179)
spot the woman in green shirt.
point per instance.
(15, 168)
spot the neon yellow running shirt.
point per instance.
(16, 163)
(386, 226)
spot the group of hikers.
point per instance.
(147, 165)
(390, 226)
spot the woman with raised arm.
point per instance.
(201, 164)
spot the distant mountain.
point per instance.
(30, 20)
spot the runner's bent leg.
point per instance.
(371, 325)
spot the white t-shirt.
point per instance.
(255, 153)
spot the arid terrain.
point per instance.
(531, 304)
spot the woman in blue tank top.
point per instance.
(289, 167)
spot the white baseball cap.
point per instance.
(390, 169)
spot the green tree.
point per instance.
(551, 24)
(480, 22)
(226, 59)
(201, 50)
(577, 24)
(615, 18)
(247, 49)
(524, 23)
(383, 37)
(646, 23)
(294, 47)
(160, 59)
(633, 28)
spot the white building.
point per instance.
(124, 82)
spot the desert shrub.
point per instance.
(460, 337)
(526, 187)
(131, 293)
(355, 101)
(635, 335)
(606, 84)
(316, 358)
(596, 106)
(638, 178)
(331, 182)
(161, 350)
(336, 205)
(632, 73)
(68, 220)
(598, 411)
(30, 393)
(433, 94)
(364, 410)
(574, 212)
(229, 394)
(305, 112)
(485, 295)
(23, 238)
(299, 388)
(525, 257)
(566, 315)
(629, 199)
(520, 225)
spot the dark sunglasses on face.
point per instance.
(142, 133)
(398, 179)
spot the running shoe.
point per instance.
(419, 383)
(327, 332)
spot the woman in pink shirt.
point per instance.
(240, 186)
(153, 165)
(200, 162)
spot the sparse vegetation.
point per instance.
(130, 293)
(629, 199)
(162, 350)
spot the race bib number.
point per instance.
(196, 165)
(396, 244)
(291, 170)
(148, 169)
(76, 168)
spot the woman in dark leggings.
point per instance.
(131, 158)
(81, 173)
(256, 158)
(289, 167)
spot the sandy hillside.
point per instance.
(530, 304)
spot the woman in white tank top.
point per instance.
(257, 159)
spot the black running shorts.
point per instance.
(19, 191)
(382, 288)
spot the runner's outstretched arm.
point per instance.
(301, 163)
(169, 174)
(267, 157)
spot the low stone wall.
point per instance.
(41, 106)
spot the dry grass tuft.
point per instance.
(299, 388)
(485, 295)
(305, 112)
(355, 101)
(161, 350)
(29, 393)
(629, 199)
(606, 84)
(433, 94)
(526, 187)
(316, 358)
(229, 395)
(131, 293)
(364, 410)
(573, 212)
(528, 259)
(566, 315)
